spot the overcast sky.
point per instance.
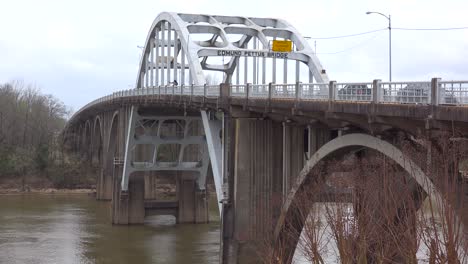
(81, 50)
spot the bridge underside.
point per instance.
(256, 160)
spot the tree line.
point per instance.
(30, 126)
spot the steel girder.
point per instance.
(150, 134)
(171, 33)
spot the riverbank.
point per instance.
(11, 191)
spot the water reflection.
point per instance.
(77, 229)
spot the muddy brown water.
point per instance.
(75, 228)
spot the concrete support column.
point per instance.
(128, 207)
(201, 207)
(293, 154)
(150, 185)
(193, 203)
(104, 184)
(119, 208)
(257, 186)
(136, 193)
(317, 137)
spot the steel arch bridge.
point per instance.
(254, 112)
(186, 47)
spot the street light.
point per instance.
(315, 44)
(389, 40)
(141, 48)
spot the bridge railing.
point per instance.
(284, 90)
(198, 90)
(406, 92)
(434, 92)
(314, 91)
(453, 92)
(187, 89)
(238, 90)
(258, 90)
(212, 90)
(354, 92)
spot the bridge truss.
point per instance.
(195, 49)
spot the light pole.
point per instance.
(141, 48)
(389, 40)
(315, 44)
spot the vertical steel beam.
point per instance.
(274, 68)
(169, 47)
(190, 77)
(285, 71)
(237, 70)
(156, 61)
(176, 52)
(298, 68)
(146, 57)
(311, 76)
(163, 40)
(152, 62)
(182, 69)
(254, 62)
(246, 80)
(263, 70)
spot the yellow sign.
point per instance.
(282, 45)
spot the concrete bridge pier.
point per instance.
(192, 203)
(150, 185)
(104, 184)
(267, 155)
(129, 207)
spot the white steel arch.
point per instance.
(183, 46)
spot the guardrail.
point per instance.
(406, 92)
(453, 92)
(354, 92)
(435, 92)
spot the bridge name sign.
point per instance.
(246, 53)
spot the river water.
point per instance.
(40, 228)
(75, 228)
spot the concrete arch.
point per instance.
(97, 142)
(113, 123)
(97, 124)
(88, 129)
(87, 140)
(79, 138)
(347, 141)
(110, 148)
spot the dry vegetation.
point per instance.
(31, 153)
(390, 218)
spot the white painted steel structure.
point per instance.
(147, 132)
(185, 47)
